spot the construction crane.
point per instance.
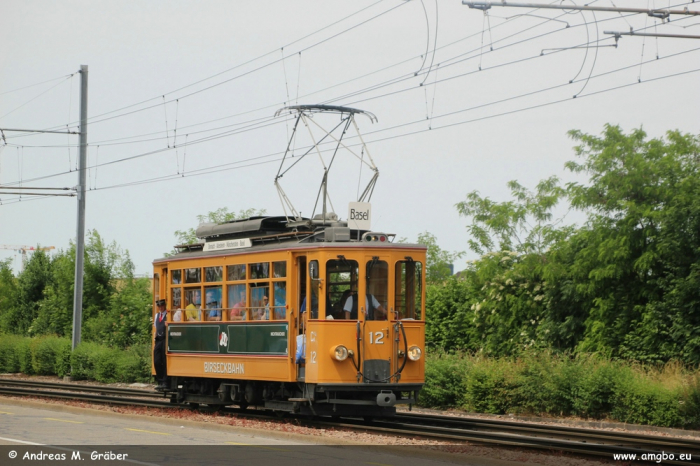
(24, 249)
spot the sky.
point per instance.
(182, 97)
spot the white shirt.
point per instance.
(349, 303)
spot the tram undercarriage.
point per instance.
(356, 400)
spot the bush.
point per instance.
(9, 357)
(84, 360)
(46, 354)
(588, 386)
(24, 355)
(444, 380)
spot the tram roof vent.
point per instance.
(334, 234)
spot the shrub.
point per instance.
(24, 355)
(9, 357)
(541, 383)
(444, 380)
(46, 352)
(84, 358)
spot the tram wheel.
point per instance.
(194, 405)
(280, 414)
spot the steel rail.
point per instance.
(566, 432)
(81, 388)
(582, 441)
(103, 399)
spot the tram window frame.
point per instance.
(373, 286)
(401, 289)
(258, 309)
(187, 302)
(233, 293)
(193, 275)
(236, 272)
(259, 270)
(215, 292)
(156, 287)
(314, 286)
(176, 277)
(214, 274)
(279, 269)
(334, 274)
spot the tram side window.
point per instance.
(408, 293)
(279, 269)
(377, 290)
(212, 300)
(176, 300)
(259, 270)
(314, 286)
(260, 301)
(237, 302)
(236, 272)
(341, 277)
(193, 304)
(156, 286)
(193, 275)
(213, 274)
(280, 300)
(177, 277)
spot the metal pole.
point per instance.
(80, 235)
(651, 34)
(657, 13)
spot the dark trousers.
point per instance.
(159, 360)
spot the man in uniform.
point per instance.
(159, 361)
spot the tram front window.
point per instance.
(377, 290)
(341, 274)
(408, 292)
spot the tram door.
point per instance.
(377, 336)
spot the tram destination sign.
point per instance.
(228, 244)
(360, 215)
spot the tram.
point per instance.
(316, 315)
(268, 315)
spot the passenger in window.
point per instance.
(193, 310)
(263, 313)
(238, 309)
(177, 315)
(314, 306)
(373, 308)
(213, 305)
(339, 308)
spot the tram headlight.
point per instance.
(414, 353)
(340, 353)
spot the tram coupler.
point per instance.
(386, 398)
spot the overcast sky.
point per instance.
(186, 92)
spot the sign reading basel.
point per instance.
(360, 215)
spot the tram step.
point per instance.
(298, 399)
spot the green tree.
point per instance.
(438, 260)
(8, 295)
(635, 264)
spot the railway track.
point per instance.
(446, 428)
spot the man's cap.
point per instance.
(160, 302)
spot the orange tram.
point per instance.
(294, 315)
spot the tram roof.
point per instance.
(267, 234)
(289, 246)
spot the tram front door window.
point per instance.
(341, 279)
(408, 292)
(376, 303)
